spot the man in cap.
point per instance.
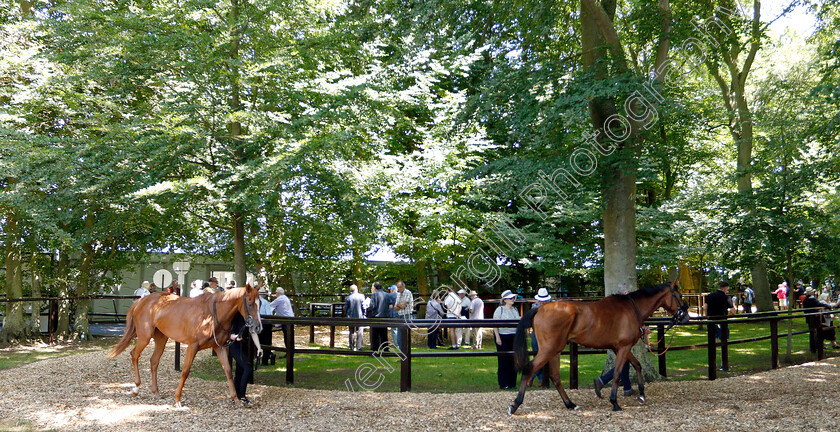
(477, 313)
(541, 298)
(143, 291)
(265, 334)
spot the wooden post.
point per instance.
(573, 365)
(774, 343)
(818, 337)
(290, 354)
(332, 327)
(178, 356)
(724, 347)
(312, 327)
(712, 353)
(405, 369)
(660, 333)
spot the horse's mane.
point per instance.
(645, 292)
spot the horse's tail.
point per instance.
(128, 336)
(520, 345)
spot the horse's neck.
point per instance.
(648, 305)
(225, 309)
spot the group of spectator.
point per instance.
(397, 302)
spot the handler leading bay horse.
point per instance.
(614, 322)
(200, 323)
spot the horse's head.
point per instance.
(675, 305)
(250, 308)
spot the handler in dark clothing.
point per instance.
(378, 309)
(237, 352)
(717, 305)
(814, 322)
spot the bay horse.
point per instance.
(615, 322)
(201, 322)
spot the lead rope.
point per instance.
(646, 332)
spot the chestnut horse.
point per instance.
(200, 323)
(615, 322)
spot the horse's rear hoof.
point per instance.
(570, 405)
(178, 404)
(135, 391)
(616, 408)
(511, 410)
(641, 400)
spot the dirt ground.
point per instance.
(88, 392)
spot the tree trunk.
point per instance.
(620, 234)
(239, 267)
(36, 292)
(619, 194)
(14, 327)
(422, 277)
(649, 369)
(62, 331)
(81, 330)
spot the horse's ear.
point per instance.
(248, 286)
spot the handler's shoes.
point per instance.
(598, 387)
(246, 403)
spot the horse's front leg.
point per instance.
(620, 358)
(192, 349)
(223, 354)
(641, 379)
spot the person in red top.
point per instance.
(781, 294)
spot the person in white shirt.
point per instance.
(464, 333)
(477, 312)
(143, 291)
(452, 304)
(282, 307)
(266, 333)
(196, 288)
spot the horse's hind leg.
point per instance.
(638, 366)
(539, 361)
(160, 344)
(142, 342)
(554, 373)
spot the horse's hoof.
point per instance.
(135, 391)
(616, 408)
(511, 410)
(178, 404)
(576, 408)
(641, 400)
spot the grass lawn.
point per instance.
(478, 374)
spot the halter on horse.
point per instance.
(191, 321)
(615, 322)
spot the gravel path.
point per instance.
(88, 392)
